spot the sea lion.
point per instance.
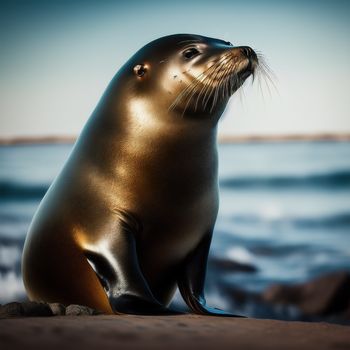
(131, 215)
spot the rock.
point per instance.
(80, 310)
(325, 295)
(36, 309)
(11, 310)
(28, 308)
(57, 309)
(33, 308)
(227, 265)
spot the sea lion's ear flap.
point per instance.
(140, 70)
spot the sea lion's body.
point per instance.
(132, 213)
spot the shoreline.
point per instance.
(169, 332)
(222, 139)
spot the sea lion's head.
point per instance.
(187, 74)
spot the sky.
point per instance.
(57, 57)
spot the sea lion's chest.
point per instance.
(165, 176)
(174, 195)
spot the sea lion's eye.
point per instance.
(140, 70)
(189, 53)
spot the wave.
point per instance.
(11, 241)
(338, 179)
(23, 191)
(338, 220)
(332, 221)
(335, 179)
(14, 218)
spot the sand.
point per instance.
(168, 332)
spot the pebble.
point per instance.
(37, 309)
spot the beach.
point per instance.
(168, 332)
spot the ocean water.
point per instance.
(284, 209)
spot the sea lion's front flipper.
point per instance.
(115, 262)
(192, 278)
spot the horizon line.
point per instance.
(222, 139)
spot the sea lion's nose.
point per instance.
(248, 51)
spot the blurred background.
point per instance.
(282, 240)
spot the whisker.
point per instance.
(209, 91)
(190, 86)
(265, 72)
(205, 85)
(191, 89)
(263, 62)
(259, 85)
(207, 96)
(268, 80)
(221, 80)
(227, 77)
(193, 86)
(218, 86)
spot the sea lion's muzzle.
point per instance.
(249, 61)
(249, 53)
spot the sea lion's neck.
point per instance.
(138, 128)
